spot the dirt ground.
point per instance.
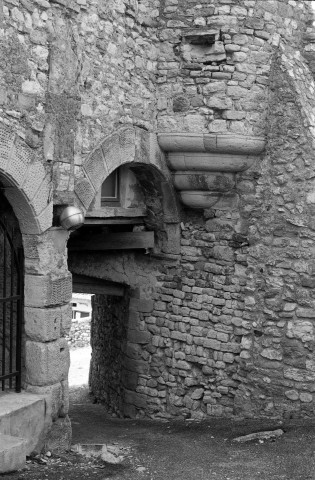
(185, 450)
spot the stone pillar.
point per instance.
(48, 290)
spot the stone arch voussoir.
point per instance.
(129, 145)
(25, 183)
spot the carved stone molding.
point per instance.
(204, 165)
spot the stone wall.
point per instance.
(224, 325)
(80, 334)
(74, 71)
(108, 341)
(278, 354)
(215, 60)
(185, 321)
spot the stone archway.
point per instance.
(26, 184)
(139, 150)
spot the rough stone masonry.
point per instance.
(211, 102)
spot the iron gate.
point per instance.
(11, 302)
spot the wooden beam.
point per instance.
(112, 241)
(112, 212)
(85, 284)
(112, 221)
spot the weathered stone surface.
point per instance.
(271, 354)
(43, 290)
(46, 363)
(292, 395)
(301, 329)
(12, 453)
(42, 325)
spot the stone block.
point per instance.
(64, 410)
(25, 102)
(271, 354)
(44, 219)
(196, 331)
(292, 395)
(46, 363)
(301, 329)
(228, 358)
(3, 96)
(135, 399)
(24, 415)
(12, 453)
(211, 343)
(53, 397)
(306, 397)
(66, 319)
(130, 380)
(298, 374)
(141, 305)
(133, 350)
(305, 312)
(95, 168)
(85, 192)
(138, 366)
(42, 324)
(129, 411)
(197, 394)
(214, 410)
(223, 253)
(137, 336)
(42, 196)
(19, 162)
(42, 290)
(179, 336)
(36, 175)
(171, 244)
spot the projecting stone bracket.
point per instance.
(204, 165)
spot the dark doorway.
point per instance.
(11, 298)
(108, 321)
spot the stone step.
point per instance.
(12, 453)
(23, 415)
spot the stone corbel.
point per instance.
(204, 165)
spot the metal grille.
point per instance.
(11, 304)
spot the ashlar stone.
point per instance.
(42, 324)
(46, 363)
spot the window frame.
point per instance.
(110, 201)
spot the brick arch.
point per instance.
(137, 148)
(25, 183)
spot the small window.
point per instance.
(110, 189)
